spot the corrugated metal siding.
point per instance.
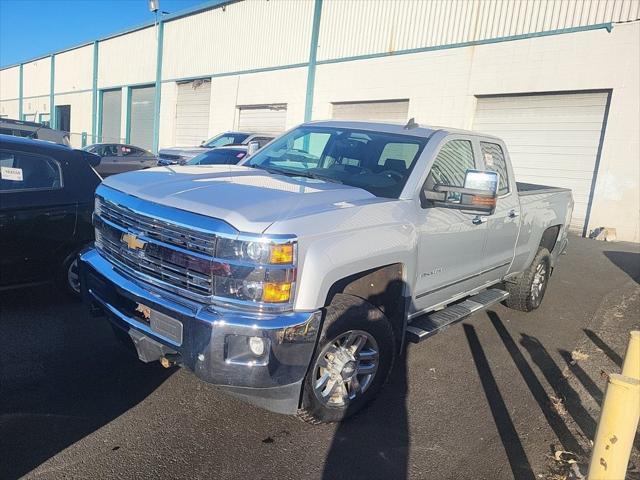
(37, 77)
(141, 114)
(192, 112)
(10, 83)
(128, 59)
(244, 36)
(262, 118)
(111, 115)
(381, 26)
(74, 70)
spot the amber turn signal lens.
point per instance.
(281, 253)
(485, 201)
(276, 292)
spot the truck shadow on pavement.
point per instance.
(628, 262)
(62, 376)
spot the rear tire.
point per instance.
(526, 295)
(355, 354)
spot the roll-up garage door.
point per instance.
(553, 139)
(395, 111)
(192, 112)
(110, 115)
(263, 118)
(141, 117)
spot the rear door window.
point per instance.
(21, 171)
(494, 160)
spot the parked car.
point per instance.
(21, 128)
(46, 203)
(180, 155)
(119, 158)
(221, 156)
(294, 279)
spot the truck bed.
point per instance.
(535, 189)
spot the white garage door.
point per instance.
(192, 112)
(553, 139)
(382, 111)
(263, 118)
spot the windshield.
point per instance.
(377, 162)
(225, 139)
(218, 156)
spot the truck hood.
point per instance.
(249, 199)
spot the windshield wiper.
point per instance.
(296, 173)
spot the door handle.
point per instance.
(478, 220)
(513, 214)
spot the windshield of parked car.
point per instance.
(225, 139)
(219, 156)
(377, 162)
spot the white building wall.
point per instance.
(35, 106)
(442, 85)
(242, 36)
(74, 70)
(227, 92)
(9, 83)
(36, 77)
(128, 59)
(9, 108)
(81, 109)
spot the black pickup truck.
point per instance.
(46, 203)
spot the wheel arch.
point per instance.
(383, 287)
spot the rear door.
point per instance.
(504, 224)
(133, 158)
(37, 217)
(450, 242)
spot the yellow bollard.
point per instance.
(616, 429)
(631, 365)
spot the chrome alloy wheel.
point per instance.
(73, 276)
(539, 283)
(345, 368)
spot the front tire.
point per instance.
(526, 295)
(355, 354)
(69, 276)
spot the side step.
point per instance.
(428, 325)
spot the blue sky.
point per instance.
(29, 28)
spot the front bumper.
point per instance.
(206, 335)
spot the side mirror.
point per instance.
(253, 147)
(91, 158)
(479, 194)
(202, 142)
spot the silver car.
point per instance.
(119, 158)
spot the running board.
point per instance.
(428, 325)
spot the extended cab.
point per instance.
(293, 279)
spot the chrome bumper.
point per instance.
(205, 338)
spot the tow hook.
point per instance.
(169, 360)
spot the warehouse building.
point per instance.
(559, 80)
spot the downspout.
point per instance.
(52, 100)
(313, 53)
(158, 89)
(94, 93)
(20, 91)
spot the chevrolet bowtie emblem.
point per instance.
(132, 241)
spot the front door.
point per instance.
(450, 242)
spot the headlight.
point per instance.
(259, 271)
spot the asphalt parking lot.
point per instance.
(493, 397)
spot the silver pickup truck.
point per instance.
(294, 279)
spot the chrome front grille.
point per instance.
(178, 256)
(157, 229)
